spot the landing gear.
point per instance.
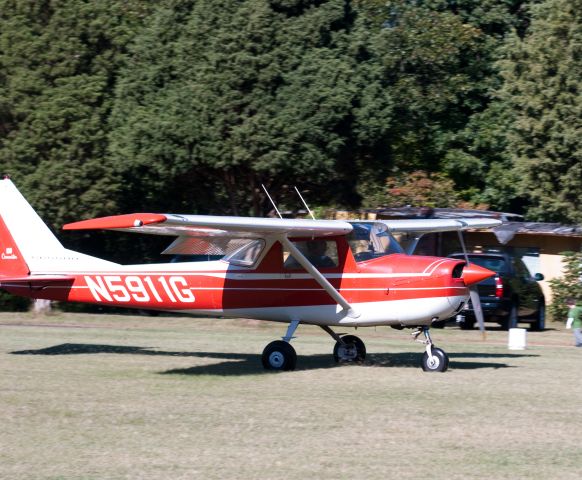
(280, 355)
(348, 348)
(437, 362)
(434, 359)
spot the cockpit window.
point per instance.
(372, 240)
(246, 255)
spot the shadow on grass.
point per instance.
(236, 364)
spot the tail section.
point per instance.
(27, 246)
(12, 262)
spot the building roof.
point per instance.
(512, 223)
(428, 212)
(543, 228)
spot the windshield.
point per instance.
(372, 240)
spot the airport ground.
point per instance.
(102, 397)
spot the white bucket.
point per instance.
(517, 339)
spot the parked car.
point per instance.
(510, 297)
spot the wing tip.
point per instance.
(132, 220)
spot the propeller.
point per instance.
(476, 302)
(473, 274)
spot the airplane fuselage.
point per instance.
(391, 290)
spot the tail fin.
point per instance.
(27, 245)
(11, 260)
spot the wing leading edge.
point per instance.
(213, 226)
(434, 225)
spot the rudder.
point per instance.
(11, 261)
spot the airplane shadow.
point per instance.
(237, 364)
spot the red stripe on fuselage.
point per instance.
(217, 291)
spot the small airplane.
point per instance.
(329, 273)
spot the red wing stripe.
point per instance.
(131, 220)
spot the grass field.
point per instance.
(122, 397)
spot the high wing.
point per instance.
(217, 226)
(434, 225)
(213, 226)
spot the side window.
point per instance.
(520, 269)
(321, 254)
(247, 254)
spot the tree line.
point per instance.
(188, 106)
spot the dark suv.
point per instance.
(510, 297)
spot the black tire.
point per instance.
(512, 318)
(279, 355)
(467, 324)
(539, 323)
(440, 361)
(352, 350)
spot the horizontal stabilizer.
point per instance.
(36, 279)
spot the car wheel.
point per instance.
(540, 322)
(468, 323)
(512, 319)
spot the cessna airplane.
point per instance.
(328, 273)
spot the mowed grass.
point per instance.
(127, 397)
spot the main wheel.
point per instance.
(351, 350)
(438, 363)
(279, 355)
(539, 323)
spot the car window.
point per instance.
(496, 264)
(520, 268)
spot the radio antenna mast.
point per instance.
(271, 200)
(304, 203)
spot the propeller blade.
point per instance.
(476, 302)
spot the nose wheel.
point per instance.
(434, 359)
(438, 361)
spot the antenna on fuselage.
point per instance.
(271, 200)
(304, 202)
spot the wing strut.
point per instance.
(318, 277)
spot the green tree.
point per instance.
(436, 65)
(417, 188)
(235, 94)
(569, 285)
(543, 88)
(58, 66)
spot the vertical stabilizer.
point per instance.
(12, 262)
(27, 237)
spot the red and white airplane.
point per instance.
(329, 273)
